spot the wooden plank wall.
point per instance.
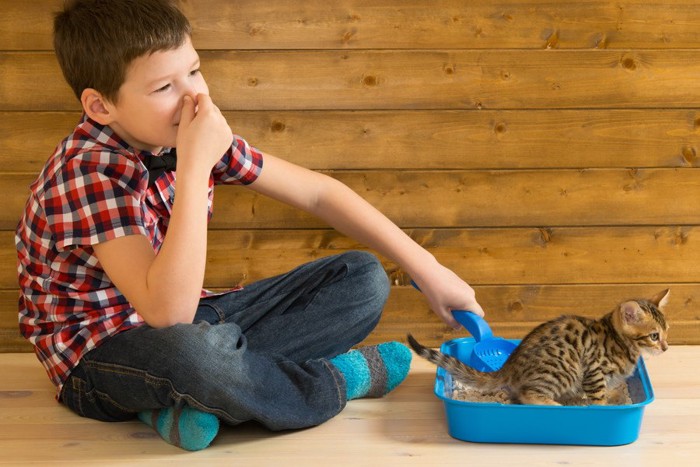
(545, 150)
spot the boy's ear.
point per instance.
(96, 106)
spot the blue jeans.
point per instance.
(258, 354)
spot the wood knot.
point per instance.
(277, 126)
(14, 394)
(680, 238)
(398, 277)
(448, 69)
(544, 236)
(347, 37)
(505, 75)
(143, 435)
(252, 82)
(515, 306)
(636, 183)
(369, 80)
(552, 41)
(601, 42)
(689, 155)
(500, 128)
(629, 63)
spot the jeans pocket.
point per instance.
(72, 394)
(87, 402)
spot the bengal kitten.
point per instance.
(571, 357)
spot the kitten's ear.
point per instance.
(631, 312)
(661, 298)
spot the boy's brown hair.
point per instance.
(96, 40)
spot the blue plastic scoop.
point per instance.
(489, 353)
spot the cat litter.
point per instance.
(490, 419)
(461, 392)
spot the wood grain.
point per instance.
(428, 139)
(486, 256)
(511, 311)
(511, 198)
(586, 255)
(407, 427)
(377, 79)
(399, 24)
(503, 198)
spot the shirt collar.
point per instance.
(107, 137)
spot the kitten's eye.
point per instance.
(654, 336)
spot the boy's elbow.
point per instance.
(164, 317)
(160, 322)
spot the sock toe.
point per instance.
(197, 429)
(397, 360)
(187, 428)
(374, 371)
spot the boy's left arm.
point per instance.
(350, 214)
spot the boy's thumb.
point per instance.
(187, 114)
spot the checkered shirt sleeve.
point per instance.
(96, 198)
(241, 165)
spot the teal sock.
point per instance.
(375, 370)
(183, 427)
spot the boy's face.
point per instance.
(147, 112)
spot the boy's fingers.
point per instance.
(476, 309)
(204, 102)
(452, 322)
(187, 114)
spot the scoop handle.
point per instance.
(475, 324)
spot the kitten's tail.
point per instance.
(461, 372)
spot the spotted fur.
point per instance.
(570, 357)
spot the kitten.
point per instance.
(570, 357)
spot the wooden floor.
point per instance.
(405, 428)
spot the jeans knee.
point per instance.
(375, 282)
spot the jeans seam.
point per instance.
(219, 311)
(79, 393)
(157, 381)
(106, 398)
(341, 397)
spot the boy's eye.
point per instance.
(654, 336)
(163, 88)
(194, 72)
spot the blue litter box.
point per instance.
(490, 422)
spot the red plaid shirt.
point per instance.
(94, 188)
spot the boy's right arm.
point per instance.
(165, 288)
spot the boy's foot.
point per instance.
(373, 371)
(183, 427)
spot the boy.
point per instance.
(112, 250)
